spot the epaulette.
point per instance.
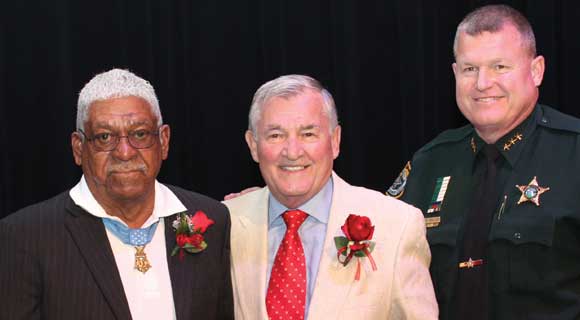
(448, 136)
(554, 119)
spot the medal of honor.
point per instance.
(141, 262)
(531, 192)
(136, 238)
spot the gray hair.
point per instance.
(115, 83)
(492, 18)
(286, 87)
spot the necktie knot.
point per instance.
(294, 219)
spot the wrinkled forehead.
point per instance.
(303, 109)
(125, 111)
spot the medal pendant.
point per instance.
(141, 262)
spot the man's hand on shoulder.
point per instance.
(241, 193)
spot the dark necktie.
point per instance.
(286, 296)
(472, 293)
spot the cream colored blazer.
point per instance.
(401, 288)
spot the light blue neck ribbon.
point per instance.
(134, 237)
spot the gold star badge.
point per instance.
(531, 192)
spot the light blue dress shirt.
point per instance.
(312, 233)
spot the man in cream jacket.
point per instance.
(297, 272)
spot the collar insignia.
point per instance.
(511, 142)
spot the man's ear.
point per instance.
(164, 136)
(335, 140)
(252, 144)
(76, 142)
(538, 67)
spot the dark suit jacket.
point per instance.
(56, 263)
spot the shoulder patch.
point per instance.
(398, 187)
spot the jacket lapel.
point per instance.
(334, 281)
(249, 244)
(88, 232)
(179, 272)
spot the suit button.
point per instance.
(517, 235)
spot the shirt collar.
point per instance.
(318, 207)
(511, 144)
(166, 202)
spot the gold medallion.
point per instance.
(141, 262)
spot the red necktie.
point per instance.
(286, 297)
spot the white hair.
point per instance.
(115, 83)
(286, 87)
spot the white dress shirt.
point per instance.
(149, 294)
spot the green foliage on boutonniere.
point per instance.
(189, 232)
(358, 231)
(342, 242)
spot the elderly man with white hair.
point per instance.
(309, 245)
(119, 244)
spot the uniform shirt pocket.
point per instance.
(521, 248)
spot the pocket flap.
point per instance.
(525, 224)
(444, 234)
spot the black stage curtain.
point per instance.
(387, 63)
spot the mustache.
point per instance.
(126, 166)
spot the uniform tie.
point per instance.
(286, 296)
(472, 284)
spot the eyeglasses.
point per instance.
(108, 141)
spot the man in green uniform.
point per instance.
(501, 196)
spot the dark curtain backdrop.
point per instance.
(387, 63)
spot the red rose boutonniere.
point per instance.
(189, 232)
(358, 231)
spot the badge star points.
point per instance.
(470, 263)
(531, 192)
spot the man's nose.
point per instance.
(124, 150)
(293, 149)
(485, 79)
